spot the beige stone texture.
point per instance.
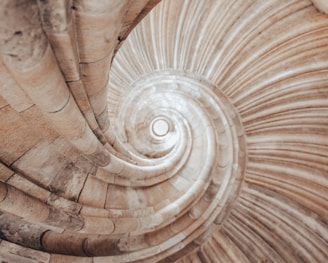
(68, 57)
(100, 22)
(18, 203)
(63, 243)
(321, 5)
(17, 137)
(53, 95)
(12, 92)
(24, 253)
(3, 102)
(103, 226)
(69, 182)
(69, 259)
(43, 127)
(58, 24)
(21, 232)
(5, 172)
(79, 94)
(93, 193)
(42, 163)
(28, 187)
(64, 205)
(149, 131)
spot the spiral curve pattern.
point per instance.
(207, 142)
(218, 73)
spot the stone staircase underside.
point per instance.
(164, 131)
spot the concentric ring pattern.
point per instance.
(261, 64)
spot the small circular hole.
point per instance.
(160, 127)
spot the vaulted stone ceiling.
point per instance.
(196, 133)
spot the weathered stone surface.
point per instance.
(66, 149)
(69, 182)
(11, 91)
(65, 243)
(6, 256)
(86, 165)
(19, 203)
(3, 102)
(102, 119)
(56, 16)
(5, 172)
(95, 75)
(43, 127)
(23, 253)
(23, 42)
(101, 156)
(116, 197)
(28, 187)
(21, 232)
(64, 205)
(136, 11)
(3, 192)
(321, 5)
(97, 225)
(17, 137)
(238, 172)
(42, 163)
(101, 246)
(100, 22)
(64, 46)
(64, 220)
(93, 193)
(69, 259)
(78, 91)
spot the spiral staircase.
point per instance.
(164, 131)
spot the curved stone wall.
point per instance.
(197, 133)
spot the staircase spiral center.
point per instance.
(160, 127)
